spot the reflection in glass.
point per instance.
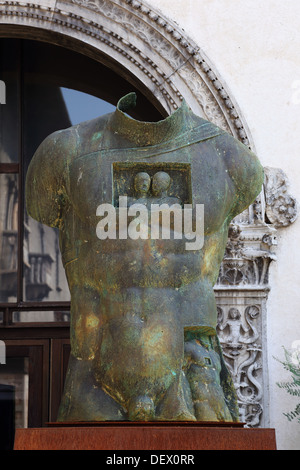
(9, 111)
(15, 374)
(48, 108)
(44, 274)
(38, 316)
(8, 237)
(44, 113)
(82, 106)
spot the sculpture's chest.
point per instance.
(196, 172)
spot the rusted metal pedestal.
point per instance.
(145, 436)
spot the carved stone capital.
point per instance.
(248, 254)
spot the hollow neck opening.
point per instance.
(146, 133)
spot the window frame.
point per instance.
(18, 168)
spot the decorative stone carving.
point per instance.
(241, 292)
(242, 289)
(281, 207)
(247, 256)
(240, 329)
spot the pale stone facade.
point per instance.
(236, 64)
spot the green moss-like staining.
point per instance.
(143, 312)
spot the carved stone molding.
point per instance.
(240, 330)
(241, 292)
(242, 289)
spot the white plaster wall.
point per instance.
(255, 46)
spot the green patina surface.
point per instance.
(143, 312)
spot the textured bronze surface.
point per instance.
(143, 311)
(155, 437)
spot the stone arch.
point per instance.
(137, 41)
(153, 53)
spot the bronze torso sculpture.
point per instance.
(143, 311)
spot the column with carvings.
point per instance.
(242, 291)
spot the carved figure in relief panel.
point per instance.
(160, 184)
(152, 190)
(142, 182)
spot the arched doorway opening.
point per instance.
(48, 87)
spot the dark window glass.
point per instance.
(47, 88)
(14, 382)
(10, 110)
(48, 108)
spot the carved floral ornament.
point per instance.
(281, 207)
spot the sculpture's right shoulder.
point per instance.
(89, 134)
(46, 177)
(60, 145)
(74, 141)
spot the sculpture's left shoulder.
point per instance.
(243, 168)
